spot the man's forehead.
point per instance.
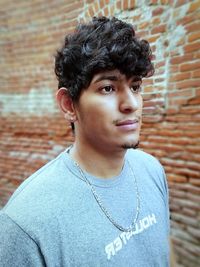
(114, 75)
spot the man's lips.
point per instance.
(128, 125)
(127, 122)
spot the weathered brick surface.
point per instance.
(32, 131)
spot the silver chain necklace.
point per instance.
(105, 211)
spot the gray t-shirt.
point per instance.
(53, 219)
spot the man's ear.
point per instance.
(66, 104)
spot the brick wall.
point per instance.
(32, 131)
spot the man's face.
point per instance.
(109, 112)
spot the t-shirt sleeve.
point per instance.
(17, 248)
(166, 198)
(163, 185)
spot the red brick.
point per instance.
(91, 11)
(164, 2)
(143, 25)
(190, 66)
(194, 231)
(67, 9)
(96, 7)
(182, 93)
(119, 4)
(195, 182)
(174, 68)
(180, 76)
(196, 74)
(181, 2)
(101, 4)
(132, 4)
(159, 29)
(156, 21)
(125, 4)
(157, 11)
(192, 47)
(187, 188)
(160, 64)
(112, 9)
(106, 11)
(177, 178)
(194, 6)
(188, 84)
(153, 2)
(143, 34)
(193, 27)
(177, 102)
(197, 92)
(189, 212)
(194, 36)
(194, 101)
(189, 18)
(177, 193)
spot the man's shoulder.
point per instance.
(146, 163)
(41, 178)
(148, 168)
(38, 198)
(141, 156)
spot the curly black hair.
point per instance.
(102, 44)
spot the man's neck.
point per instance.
(101, 164)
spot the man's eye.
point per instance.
(136, 88)
(107, 89)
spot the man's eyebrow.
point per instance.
(137, 79)
(115, 78)
(106, 77)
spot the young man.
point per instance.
(102, 202)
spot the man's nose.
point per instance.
(129, 101)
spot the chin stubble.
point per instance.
(128, 146)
